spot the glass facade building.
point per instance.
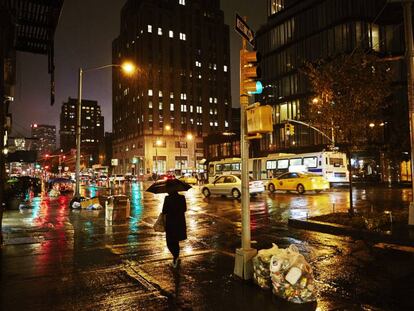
(309, 30)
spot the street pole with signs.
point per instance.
(243, 261)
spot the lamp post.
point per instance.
(128, 68)
(158, 142)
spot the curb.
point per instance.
(337, 229)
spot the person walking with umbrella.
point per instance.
(174, 209)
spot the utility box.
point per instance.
(117, 208)
(259, 120)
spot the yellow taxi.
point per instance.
(300, 182)
(188, 179)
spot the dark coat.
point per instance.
(174, 209)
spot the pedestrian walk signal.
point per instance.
(289, 129)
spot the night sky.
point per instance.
(83, 38)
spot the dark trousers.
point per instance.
(174, 247)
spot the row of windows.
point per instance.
(182, 35)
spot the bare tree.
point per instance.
(351, 92)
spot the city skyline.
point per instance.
(92, 46)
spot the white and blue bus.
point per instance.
(330, 164)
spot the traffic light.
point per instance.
(287, 129)
(250, 72)
(292, 130)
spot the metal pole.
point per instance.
(156, 159)
(60, 166)
(245, 199)
(78, 135)
(409, 50)
(243, 267)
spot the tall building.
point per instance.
(181, 92)
(308, 30)
(92, 128)
(44, 138)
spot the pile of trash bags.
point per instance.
(287, 272)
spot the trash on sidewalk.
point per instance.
(117, 208)
(89, 202)
(261, 266)
(291, 276)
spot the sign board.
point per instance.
(114, 162)
(244, 30)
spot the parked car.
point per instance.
(187, 178)
(231, 185)
(117, 178)
(165, 177)
(19, 189)
(300, 182)
(130, 178)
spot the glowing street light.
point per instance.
(126, 67)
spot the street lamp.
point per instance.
(128, 68)
(158, 143)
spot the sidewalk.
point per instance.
(204, 281)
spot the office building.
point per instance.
(309, 30)
(44, 138)
(92, 128)
(181, 92)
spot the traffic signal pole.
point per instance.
(243, 264)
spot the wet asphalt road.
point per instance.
(57, 259)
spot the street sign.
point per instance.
(244, 30)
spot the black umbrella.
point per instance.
(167, 186)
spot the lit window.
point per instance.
(171, 107)
(215, 123)
(226, 124)
(191, 108)
(149, 92)
(171, 34)
(160, 106)
(149, 28)
(215, 100)
(199, 76)
(225, 68)
(182, 2)
(171, 94)
(150, 104)
(159, 31)
(182, 36)
(211, 111)
(211, 123)
(159, 93)
(210, 100)
(183, 108)
(215, 67)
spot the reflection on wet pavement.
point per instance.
(53, 245)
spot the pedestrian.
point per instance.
(174, 209)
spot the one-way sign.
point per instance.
(243, 29)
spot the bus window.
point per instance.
(211, 170)
(283, 164)
(336, 162)
(271, 165)
(310, 162)
(227, 167)
(296, 161)
(235, 167)
(219, 168)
